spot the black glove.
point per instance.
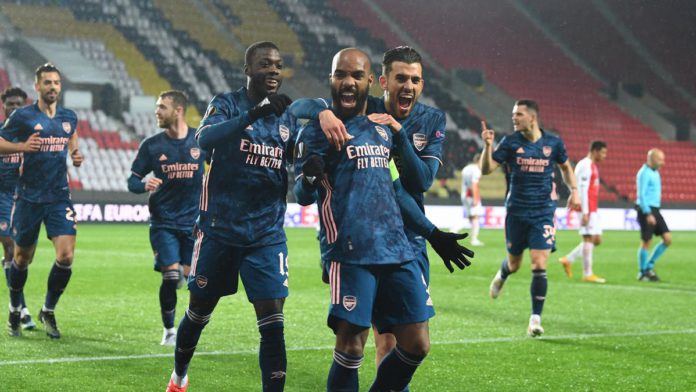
(313, 170)
(446, 246)
(272, 104)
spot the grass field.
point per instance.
(625, 335)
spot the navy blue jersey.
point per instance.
(9, 171)
(245, 190)
(531, 172)
(179, 163)
(360, 218)
(44, 174)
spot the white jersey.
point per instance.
(471, 174)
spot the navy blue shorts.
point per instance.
(216, 268)
(59, 218)
(171, 246)
(379, 295)
(421, 252)
(522, 232)
(6, 203)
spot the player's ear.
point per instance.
(246, 70)
(370, 79)
(383, 82)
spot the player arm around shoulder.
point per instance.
(319, 109)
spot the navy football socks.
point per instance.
(272, 356)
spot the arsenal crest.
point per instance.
(284, 133)
(195, 152)
(67, 127)
(547, 151)
(349, 302)
(201, 281)
(382, 132)
(419, 141)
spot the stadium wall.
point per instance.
(441, 216)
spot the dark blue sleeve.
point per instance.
(309, 109)
(135, 184)
(221, 122)
(141, 164)
(13, 129)
(502, 150)
(562, 154)
(414, 219)
(417, 174)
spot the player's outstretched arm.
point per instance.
(414, 219)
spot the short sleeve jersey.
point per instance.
(44, 174)
(179, 163)
(531, 172)
(360, 219)
(587, 175)
(243, 202)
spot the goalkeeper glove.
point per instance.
(272, 104)
(446, 246)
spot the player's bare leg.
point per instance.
(167, 299)
(347, 356)
(17, 278)
(397, 368)
(384, 344)
(272, 356)
(538, 289)
(509, 266)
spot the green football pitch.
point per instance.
(624, 335)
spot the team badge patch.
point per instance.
(547, 151)
(382, 132)
(195, 152)
(284, 133)
(419, 141)
(201, 281)
(67, 127)
(349, 302)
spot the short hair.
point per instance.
(179, 98)
(48, 67)
(597, 145)
(256, 46)
(13, 92)
(404, 54)
(529, 104)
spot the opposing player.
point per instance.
(418, 148)
(12, 98)
(531, 154)
(46, 133)
(587, 175)
(242, 210)
(373, 276)
(471, 197)
(648, 200)
(177, 164)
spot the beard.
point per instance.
(360, 99)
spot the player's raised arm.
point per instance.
(488, 164)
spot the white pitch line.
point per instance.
(317, 348)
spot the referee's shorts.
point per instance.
(647, 231)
